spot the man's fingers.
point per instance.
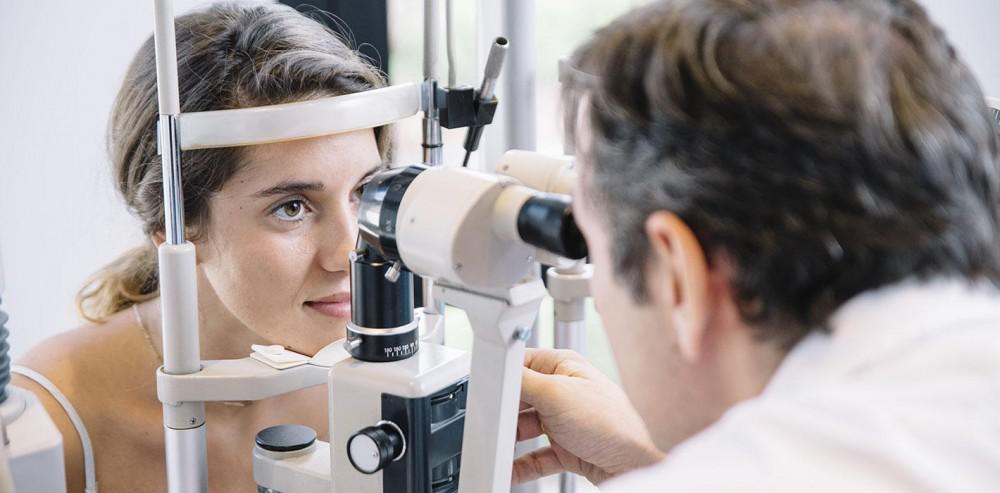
(548, 360)
(536, 464)
(536, 388)
(528, 425)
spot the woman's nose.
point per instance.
(336, 241)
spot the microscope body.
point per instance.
(410, 416)
(421, 399)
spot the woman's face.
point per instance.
(275, 250)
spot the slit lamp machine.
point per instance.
(407, 413)
(421, 416)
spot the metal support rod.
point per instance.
(432, 37)
(173, 192)
(185, 450)
(569, 334)
(168, 95)
(450, 41)
(184, 422)
(518, 84)
(569, 287)
(520, 21)
(432, 143)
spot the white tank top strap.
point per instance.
(74, 417)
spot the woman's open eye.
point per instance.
(291, 211)
(356, 193)
(359, 189)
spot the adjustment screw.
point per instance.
(392, 275)
(522, 333)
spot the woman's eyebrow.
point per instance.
(291, 188)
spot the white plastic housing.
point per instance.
(444, 233)
(179, 304)
(35, 449)
(501, 321)
(543, 172)
(236, 380)
(299, 120)
(304, 471)
(165, 45)
(550, 173)
(433, 368)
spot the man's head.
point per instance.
(750, 165)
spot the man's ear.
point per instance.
(678, 259)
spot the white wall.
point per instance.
(60, 65)
(973, 26)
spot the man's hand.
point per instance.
(593, 429)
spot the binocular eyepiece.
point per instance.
(544, 221)
(452, 225)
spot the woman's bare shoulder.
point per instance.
(98, 367)
(98, 363)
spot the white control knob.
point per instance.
(374, 447)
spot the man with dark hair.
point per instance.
(793, 210)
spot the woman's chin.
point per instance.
(315, 336)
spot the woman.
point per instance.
(273, 225)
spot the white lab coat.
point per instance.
(903, 395)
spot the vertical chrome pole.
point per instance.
(184, 422)
(570, 324)
(519, 122)
(431, 124)
(432, 143)
(520, 21)
(569, 287)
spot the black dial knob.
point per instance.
(374, 447)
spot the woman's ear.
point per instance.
(678, 260)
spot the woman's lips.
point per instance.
(336, 306)
(336, 309)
